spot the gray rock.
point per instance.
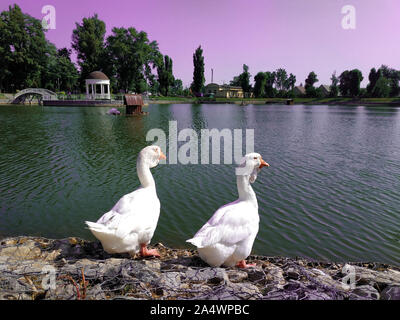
(364, 292)
(95, 293)
(382, 278)
(142, 272)
(179, 274)
(245, 291)
(315, 296)
(324, 279)
(280, 295)
(274, 276)
(63, 291)
(170, 280)
(233, 291)
(211, 275)
(256, 275)
(391, 293)
(292, 274)
(90, 268)
(236, 275)
(173, 267)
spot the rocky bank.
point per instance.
(72, 268)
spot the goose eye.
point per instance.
(255, 158)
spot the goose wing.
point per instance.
(135, 212)
(229, 225)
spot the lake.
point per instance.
(332, 191)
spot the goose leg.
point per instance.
(148, 253)
(243, 264)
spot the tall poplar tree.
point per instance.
(198, 72)
(165, 76)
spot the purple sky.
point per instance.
(298, 35)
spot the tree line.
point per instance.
(27, 58)
(127, 56)
(134, 64)
(383, 82)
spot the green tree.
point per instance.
(68, 74)
(280, 79)
(381, 88)
(387, 87)
(318, 93)
(23, 50)
(187, 92)
(154, 85)
(165, 76)
(235, 81)
(290, 82)
(198, 72)
(177, 88)
(242, 80)
(269, 90)
(344, 80)
(60, 74)
(309, 84)
(130, 58)
(393, 77)
(373, 77)
(88, 42)
(64, 52)
(260, 80)
(355, 81)
(334, 88)
(350, 82)
(245, 80)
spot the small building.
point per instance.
(211, 89)
(325, 90)
(97, 86)
(299, 91)
(133, 103)
(223, 91)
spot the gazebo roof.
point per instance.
(97, 75)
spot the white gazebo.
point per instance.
(97, 86)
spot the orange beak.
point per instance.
(263, 164)
(162, 156)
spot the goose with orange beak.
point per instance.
(228, 237)
(129, 226)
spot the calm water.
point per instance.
(332, 191)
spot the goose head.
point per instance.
(250, 165)
(150, 156)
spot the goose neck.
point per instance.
(144, 174)
(246, 192)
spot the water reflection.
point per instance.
(332, 191)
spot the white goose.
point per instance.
(130, 224)
(228, 237)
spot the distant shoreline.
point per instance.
(395, 102)
(304, 101)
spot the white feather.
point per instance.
(230, 231)
(228, 236)
(133, 219)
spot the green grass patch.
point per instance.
(298, 100)
(171, 98)
(381, 100)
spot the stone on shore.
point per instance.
(33, 268)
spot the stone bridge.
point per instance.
(43, 94)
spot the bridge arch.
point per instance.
(45, 94)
